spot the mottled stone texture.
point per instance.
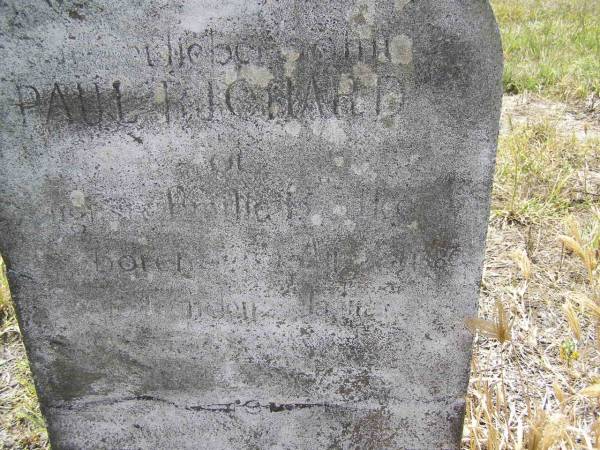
(248, 224)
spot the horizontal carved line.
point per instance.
(250, 406)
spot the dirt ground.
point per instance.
(530, 392)
(583, 122)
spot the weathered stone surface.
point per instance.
(248, 224)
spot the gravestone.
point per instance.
(248, 224)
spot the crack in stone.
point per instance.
(273, 407)
(249, 406)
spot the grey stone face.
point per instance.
(248, 224)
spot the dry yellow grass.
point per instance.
(540, 389)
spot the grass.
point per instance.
(21, 423)
(543, 173)
(536, 366)
(551, 47)
(535, 381)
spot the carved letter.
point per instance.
(102, 262)
(82, 103)
(118, 99)
(312, 85)
(127, 263)
(56, 91)
(24, 106)
(395, 96)
(247, 108)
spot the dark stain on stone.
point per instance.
(456, 419)
(70, 380)
(374, 431)
(137, 139)
(75, 14)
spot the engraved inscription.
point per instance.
(195, 80)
